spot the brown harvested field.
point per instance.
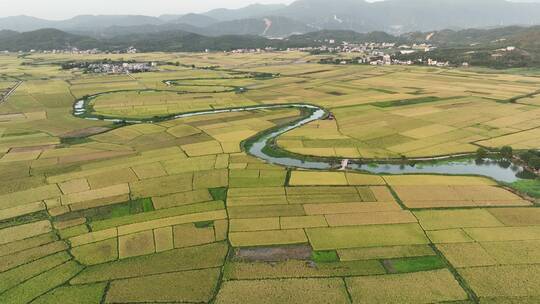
(137, 244)
(273, 254)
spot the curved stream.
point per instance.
(263, 146)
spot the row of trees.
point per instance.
(531, 157)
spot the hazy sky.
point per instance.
(60, 9)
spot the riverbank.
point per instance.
(263, 146)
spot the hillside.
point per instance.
(45, 39)
(340, 36)
(250, 11)
(524, 37)
(267, 27)
(7, 33)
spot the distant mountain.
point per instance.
(391, 16)
(267, 27)
(523, 37)
(45, 39)
(197, 20)
(254, 10)
(51, 39)
(86, 22)
(177, 40)
(276, 27)
(471, 45)
(115, 31)
(24, 23)
(82, 22)
(412, 15)
(400, 16)
(337, 14)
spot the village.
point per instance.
(112, 67)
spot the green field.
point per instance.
(176, 211)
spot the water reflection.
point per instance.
(499, 170)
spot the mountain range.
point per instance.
(302, 16)
(525, 38)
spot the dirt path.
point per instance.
(6, 96)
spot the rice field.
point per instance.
(176, 211)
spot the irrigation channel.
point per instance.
(263, 147)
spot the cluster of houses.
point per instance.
(501, 52)
(372, 48)
(436, 63)
(250, 51)
(76, 51)
(121, 68)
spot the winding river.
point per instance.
(263, 147)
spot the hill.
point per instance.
(505, 47)
(499, 47)
(45, 39)
(524, 37)
(7, 33)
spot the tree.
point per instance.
(481, 153)
(526, 156)
(507, 152)
(535, 162)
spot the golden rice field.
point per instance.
(176, 211)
